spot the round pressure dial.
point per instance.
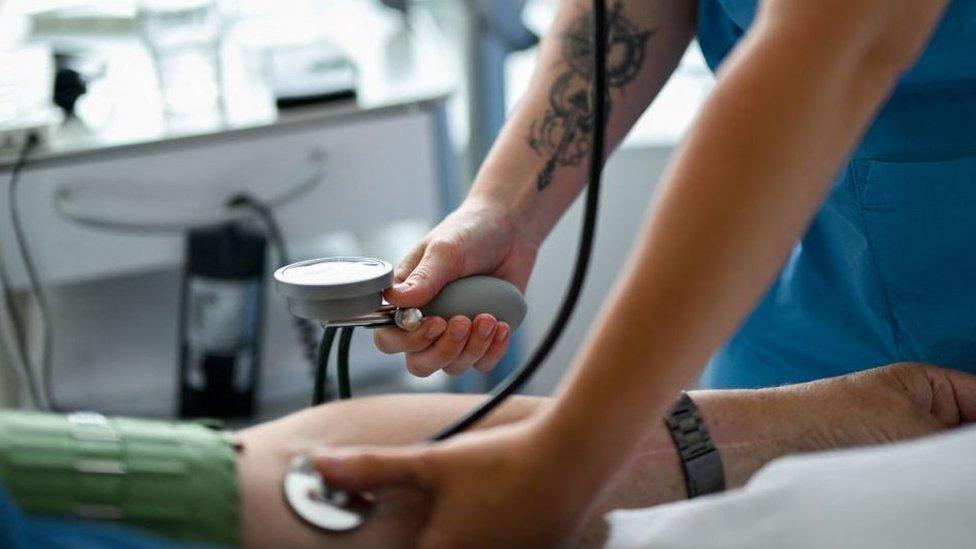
(335, 287)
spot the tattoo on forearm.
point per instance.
(563, 133)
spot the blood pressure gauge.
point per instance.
(348, 291)
(343, 291)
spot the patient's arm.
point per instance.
(749, 427)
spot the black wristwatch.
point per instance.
(700, 459)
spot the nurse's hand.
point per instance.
(480, 237)
(506, 486)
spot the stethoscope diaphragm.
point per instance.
(309, 497)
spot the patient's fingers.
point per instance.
(447, 348)
(963, 392)
(482, 332)
(395, 340)
(497, 349)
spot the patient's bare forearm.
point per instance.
(739, 421)
(746, 429)
(749, 427)
(387, 420)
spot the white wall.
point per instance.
(629, 181)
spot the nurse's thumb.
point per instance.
(440, 264)
(356, 469)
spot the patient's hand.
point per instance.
(886, 404)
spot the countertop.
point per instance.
(400, 63)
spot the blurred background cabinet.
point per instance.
(435, 80)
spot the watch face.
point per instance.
(334, 271)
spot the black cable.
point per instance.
(25, 370)
(342, 368)
(598, 112)
(320, 390)
(304, 328)
(41, 391)
(268, 218)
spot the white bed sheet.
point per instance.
(917, 494)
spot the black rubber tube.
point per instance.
(321, 389)
(342, 368)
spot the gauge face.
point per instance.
(334, 271)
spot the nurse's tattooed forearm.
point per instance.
(563, 133)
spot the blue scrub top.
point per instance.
(887, 270)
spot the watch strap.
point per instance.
(700, 459)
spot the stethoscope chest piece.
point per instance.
(310, 499)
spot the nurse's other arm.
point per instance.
(788, 107)
(534, 171)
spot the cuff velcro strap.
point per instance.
(176, 479)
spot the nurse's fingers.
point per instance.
(395, 340)
(497, 349)
(482, 333)
(407, 264)
(441, 263)
(447, 348)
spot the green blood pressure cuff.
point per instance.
(176, 479)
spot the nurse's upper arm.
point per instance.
(884, 34)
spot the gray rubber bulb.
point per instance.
(474, 295)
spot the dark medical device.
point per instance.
(220, 328)
(304, 489)
(75, 70)
(223, 287)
